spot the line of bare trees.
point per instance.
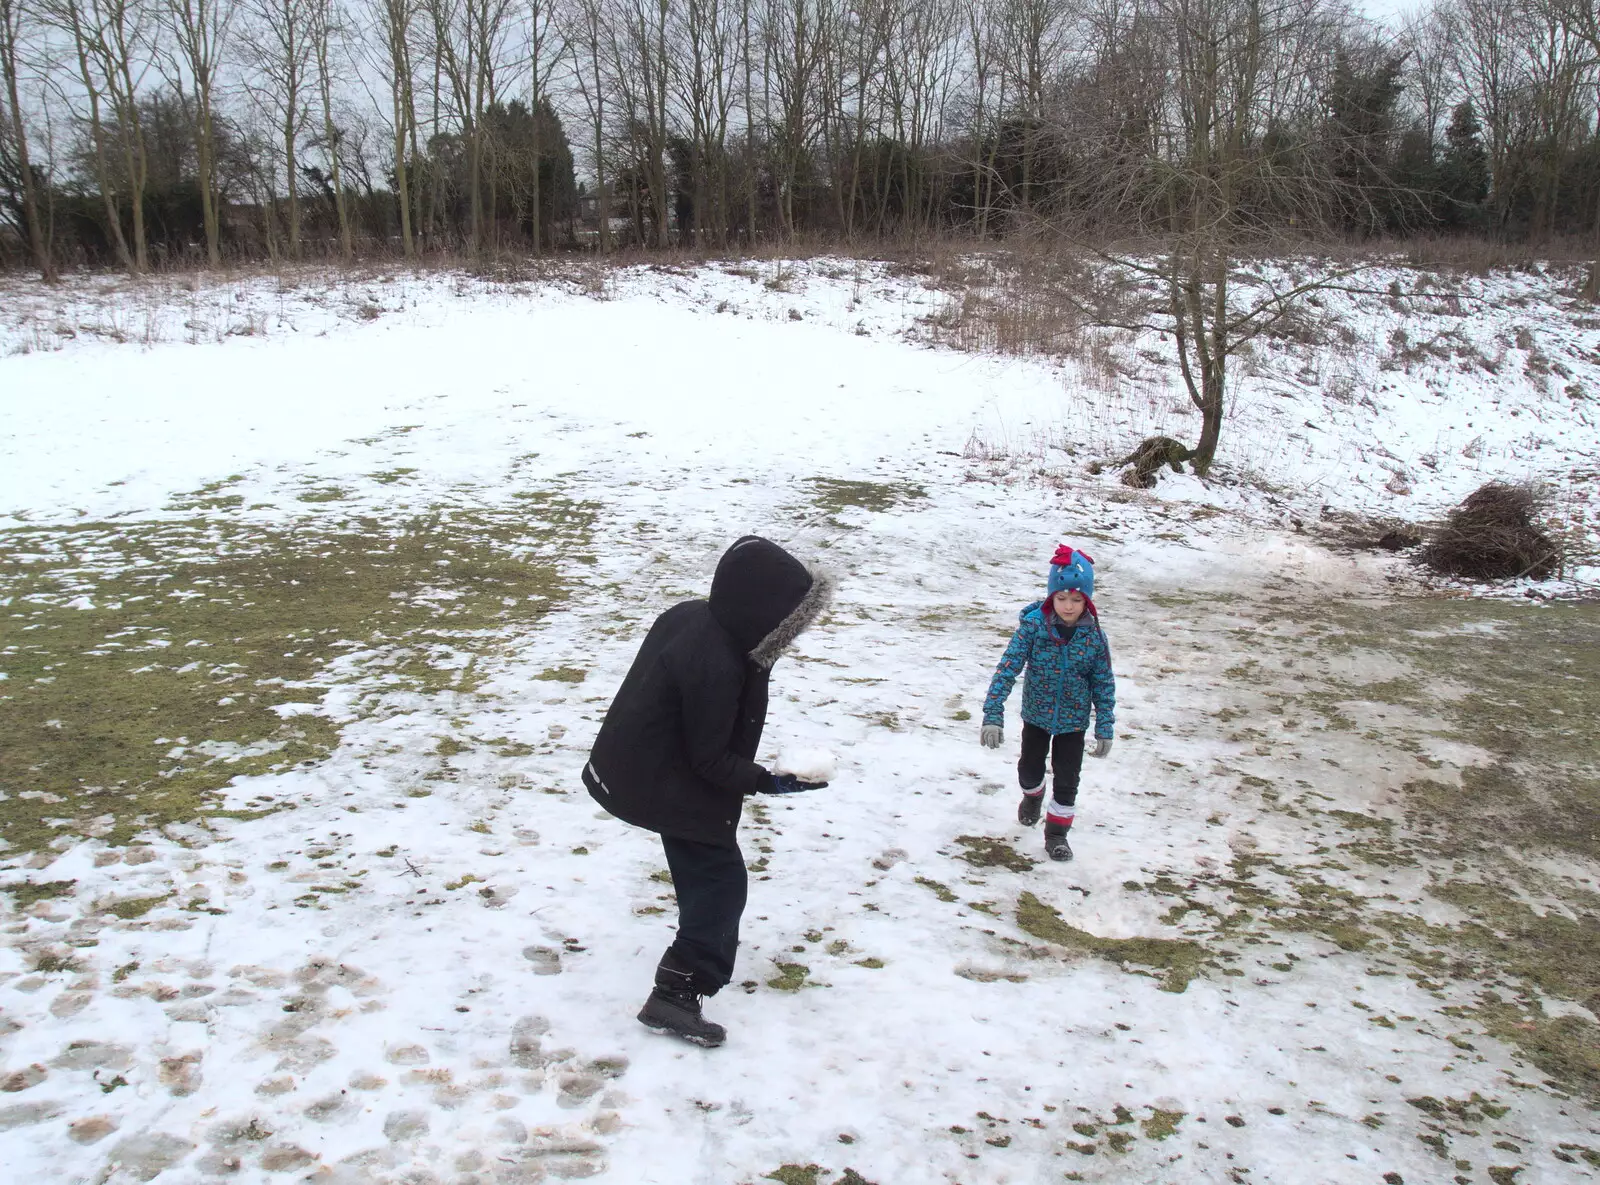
(134, 132)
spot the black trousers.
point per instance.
(1065, 750)
(711, 885)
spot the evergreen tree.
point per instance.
(1464, 169)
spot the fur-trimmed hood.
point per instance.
(765, 597)
(812, 606)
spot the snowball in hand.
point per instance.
(809, 765)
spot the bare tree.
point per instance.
(1213, 186)
(546, 48)
(94, 77)
(11, 18)
(1582, 17)
(795, 44)
(1035, 42)
(1425, 41)
(588, 33)
(706, 41)
(469, 46)
(129, 42)
(325, 30)
(277, 37)
(394, 20)
(199, 31)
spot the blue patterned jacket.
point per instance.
(1064, 680)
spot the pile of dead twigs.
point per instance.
(1493, 535)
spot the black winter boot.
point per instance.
(1028, 808)
(674, 1007)
(1055, 842)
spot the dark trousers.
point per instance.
(711, 885)
(1066, 762)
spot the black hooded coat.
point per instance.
(676, 751)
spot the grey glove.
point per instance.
(1102, 746)
(993, 734)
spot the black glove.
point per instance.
(789, 784)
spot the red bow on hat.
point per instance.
(1064, 556)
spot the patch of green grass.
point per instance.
(794, 1174)
(26, 893)
(1178, 960)
(323, 494)
(1565, 1047)
(942, 892)
(871, 963)
(210, 496)
(135, 907)
(390, 476)
(1161, 1124)
(124, 971)
(791, 977)
(984, 851)
(834, 495)
(145, 662)
(563, 675)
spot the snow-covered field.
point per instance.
(387, 547)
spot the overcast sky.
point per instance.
(1393, 12)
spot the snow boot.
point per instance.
(1028, 808)
(1057, 822)
(674, 1007)
(1055, 842)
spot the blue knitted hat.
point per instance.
(1070, 569)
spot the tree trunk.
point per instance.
(293, 190)
(9, 21)
(208, 195)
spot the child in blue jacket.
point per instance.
(1068, 663)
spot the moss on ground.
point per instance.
(835, 496)
(1178, 960)
(985, 851)
(791, 977)
(26, 893)
(135, 907)
(795, 1174)
(1522, 683)
(148, 665)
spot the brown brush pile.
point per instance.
(1493, 535)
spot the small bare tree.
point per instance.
(1210, 184)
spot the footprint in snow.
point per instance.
(546, 960)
